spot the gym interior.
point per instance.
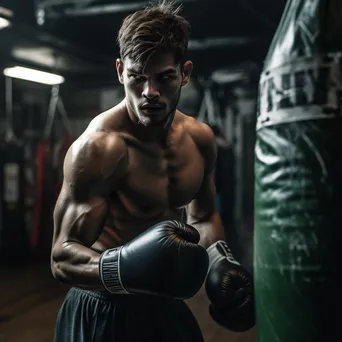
(58, 72)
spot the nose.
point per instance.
(150, 90)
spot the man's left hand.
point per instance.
(229, 288)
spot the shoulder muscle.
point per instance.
(94, 161)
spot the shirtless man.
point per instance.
(131, 181)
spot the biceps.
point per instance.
(80, 222)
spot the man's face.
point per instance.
(152, 94)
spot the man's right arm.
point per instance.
(93, 166)
(141, 266)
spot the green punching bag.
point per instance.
(298, 176)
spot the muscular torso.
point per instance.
(160, 180)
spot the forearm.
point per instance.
(210, 228)
(76, 265)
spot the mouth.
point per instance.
(150, 109)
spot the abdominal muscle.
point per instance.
(125, 222)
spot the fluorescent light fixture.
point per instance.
(33, 75)
(4, 23)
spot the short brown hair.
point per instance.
(157, 27)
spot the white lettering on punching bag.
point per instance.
(305, 89)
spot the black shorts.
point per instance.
(88, 316)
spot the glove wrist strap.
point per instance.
(110, 271)
(219, 251)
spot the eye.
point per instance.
(136, 78)
(166, 77)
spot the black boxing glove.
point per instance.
(229, 288)
(165, 260)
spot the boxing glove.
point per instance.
(165, 260)
(229, 288)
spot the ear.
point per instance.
(119, 70)
(187, 69)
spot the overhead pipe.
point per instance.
(212, 42)
(80, 8)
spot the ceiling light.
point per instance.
(4, 23)
(33, 75)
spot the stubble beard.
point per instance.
(144, 120)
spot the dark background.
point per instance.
(224, 33)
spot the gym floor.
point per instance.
(30, 299)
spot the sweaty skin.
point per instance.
(119, 182)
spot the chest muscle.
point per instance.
(166, 179)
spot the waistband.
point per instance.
(126, 298)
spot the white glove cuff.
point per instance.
(110, 271)
(219, 251)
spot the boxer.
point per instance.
(132, 181)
